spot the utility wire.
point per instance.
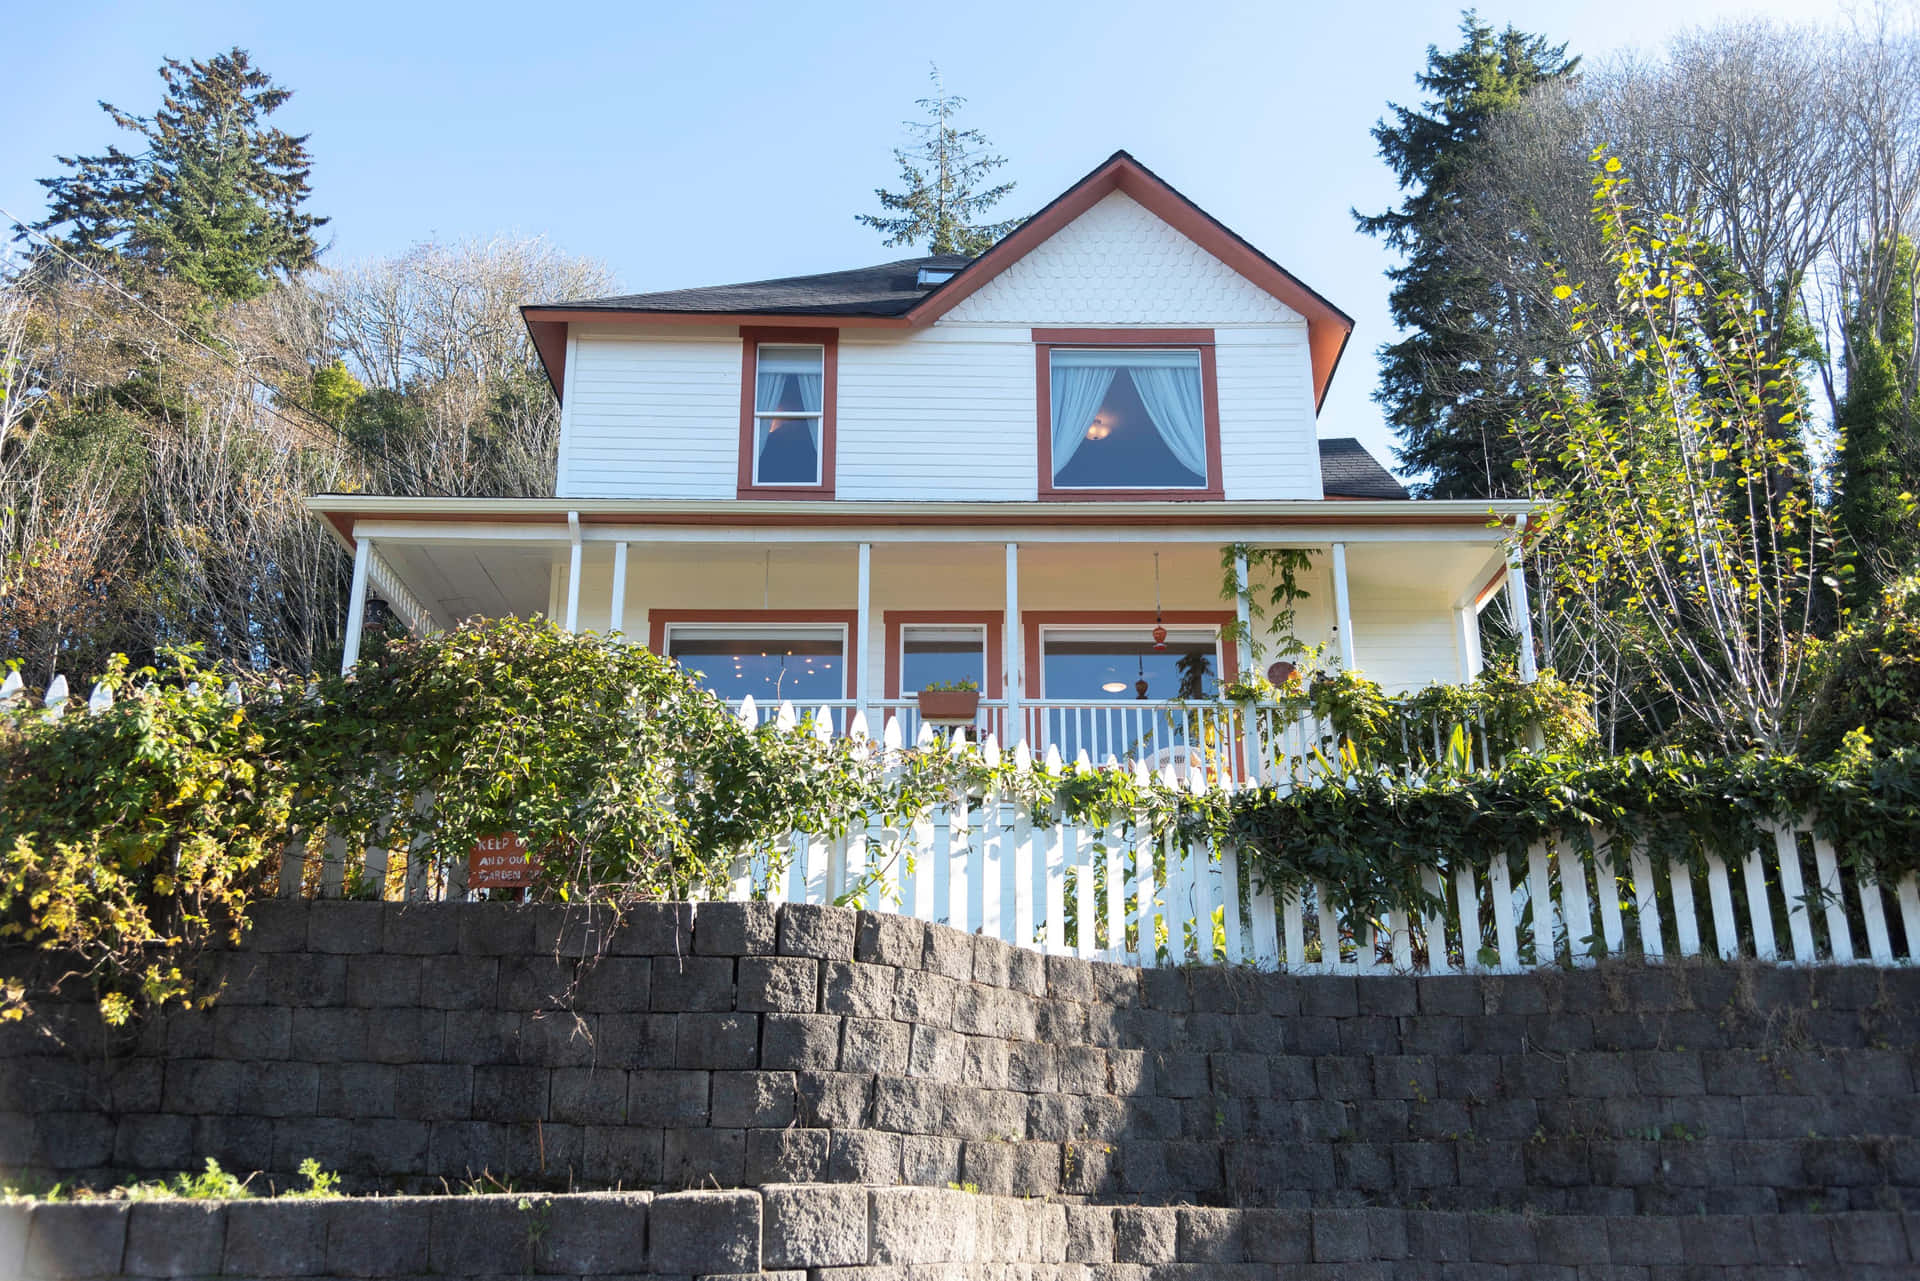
(337, 436)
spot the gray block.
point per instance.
(814, 1227)
(536, 983)
(667, 1099)
(922, 1225)
(381, 980)
(421, 929)
(588, 1096)
(692, 983)
(277, 925)
(637, 1040)
(930, 1161)
(344, 926)
(753, 1100)
(616, 984)
(718, 1041)
(76, 1239)
(826, 933)
(885, 938)
(948, 953)
(704, 1232)
(835, 1100)
(786, 1156)
(1210, 1236)
(938, 1054)
(624, 1155)
(925, 998)
(15, 1224)
(433, 1092)
(327, 1035)
(1278, 1236)
(787, 984)
(593, 1233)
(502, 1093)
(252, 1031)
(800, 1041)
(863, 1156)
(377, 1236)
(854, 988)
(733, 929)
(654, 929)
(496, 929)
(1027, 972)
(1145, 1234)
(484, 1236)
(874, 1045)
(276, 1238)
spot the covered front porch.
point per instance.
(1112, 635)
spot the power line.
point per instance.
(338, 437)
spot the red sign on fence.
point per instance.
(501, 862)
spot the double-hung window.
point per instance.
(1123, 419)
(786, 427)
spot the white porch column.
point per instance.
(1521, 606)
(863, 626)
(1342, 607)
(617, 613)
(573, 572)
(1466, 622)
(1250, 767)
(1012, 680)
(357, 603)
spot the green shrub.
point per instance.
(1868, 678)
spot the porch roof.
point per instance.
(1293, 521)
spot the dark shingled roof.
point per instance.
(889, 289)
(1347, 470)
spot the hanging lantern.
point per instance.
(1159, 636)
(1140, 686)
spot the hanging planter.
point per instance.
(949, 703)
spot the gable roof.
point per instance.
(877, 296)
(1347, 470)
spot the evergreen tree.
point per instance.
(1879, 464)
(1450, 388)
(212, 200)
(942, 172)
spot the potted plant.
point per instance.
(950, 701)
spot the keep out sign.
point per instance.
(501, 862)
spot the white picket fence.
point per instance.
(1112, 890)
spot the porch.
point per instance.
(1105, 634)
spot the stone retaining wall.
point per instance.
(851, 1233)
(412, 1047)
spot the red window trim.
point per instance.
(991, 619)
(658, 619)
(751, 336)
(1034, 620)
(1045, 340)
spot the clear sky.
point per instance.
(693, 144)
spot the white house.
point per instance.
(837, 489)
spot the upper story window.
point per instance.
(1128, 421)
(786, 413)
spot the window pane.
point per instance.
(1106, 666)
(936, 655)
(1125, 419)
(788, 451)
(774, 663)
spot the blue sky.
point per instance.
(700, 144)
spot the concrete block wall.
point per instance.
(851, 1233)
(411, 1048)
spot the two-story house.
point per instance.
(1018, 470)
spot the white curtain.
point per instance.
(1078, 390)
(770, 385)
(1172, 398)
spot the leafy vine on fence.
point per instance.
(132, 837)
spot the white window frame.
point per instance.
(820, 449)
(1199, 372)
(773, 631)
(1185, 631)
(900, 656)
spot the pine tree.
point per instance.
(940, 173)
(1879, 461)
(213, 199)
(1449, 388)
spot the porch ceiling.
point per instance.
(459, 580)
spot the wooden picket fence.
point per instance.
(1112, 890)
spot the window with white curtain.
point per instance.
(789, 387)
(1127, 418)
